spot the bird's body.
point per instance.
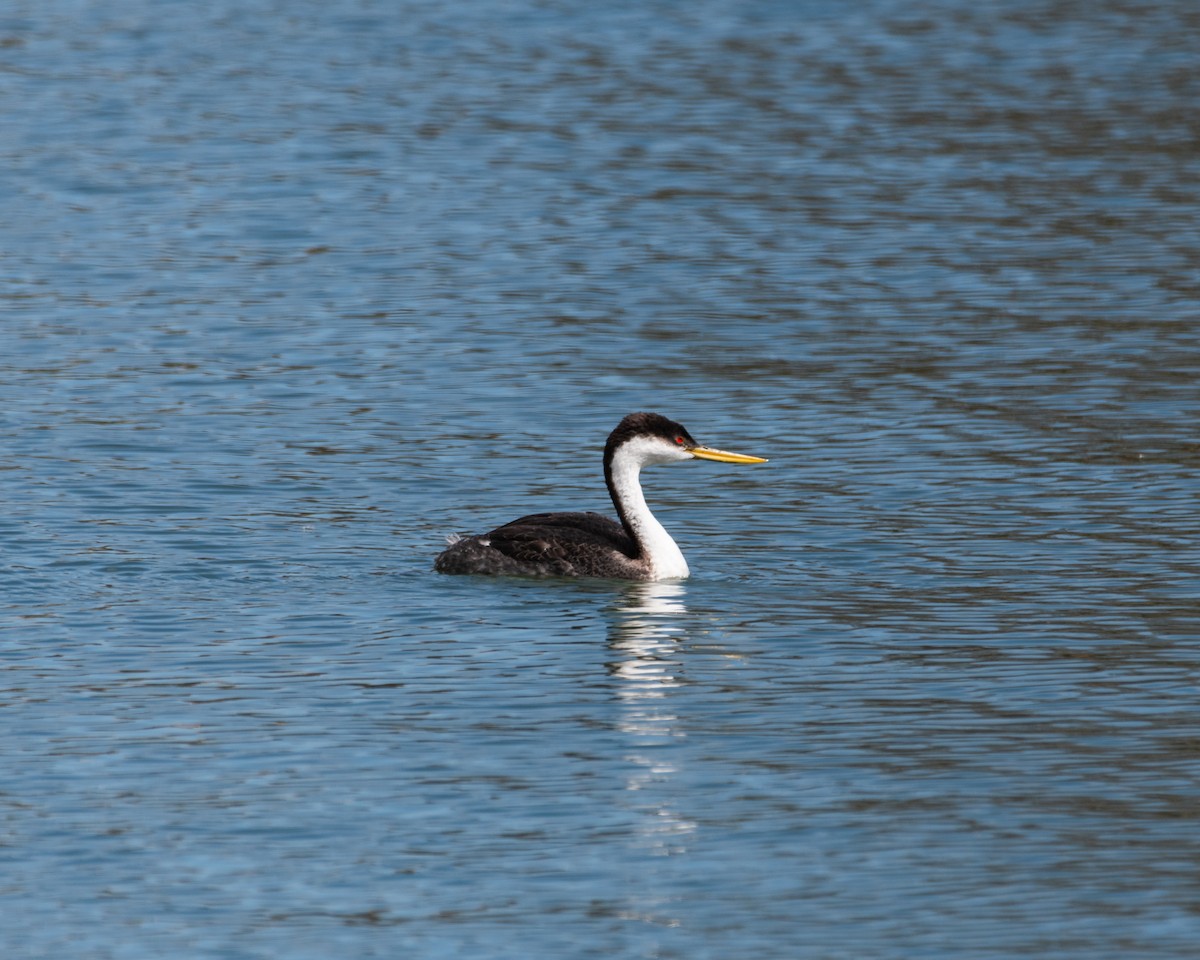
(588, 544)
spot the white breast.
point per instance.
(663, 554)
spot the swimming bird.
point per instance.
(589, 544)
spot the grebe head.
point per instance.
(650, 438)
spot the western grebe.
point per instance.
(588, 544)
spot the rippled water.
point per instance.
(288, 292)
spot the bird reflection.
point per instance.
(649, 624)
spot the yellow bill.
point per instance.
(708, 453)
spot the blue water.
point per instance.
(290, 292)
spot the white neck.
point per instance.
(665, 559)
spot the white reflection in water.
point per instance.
(646, 634)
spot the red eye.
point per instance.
(679, 440)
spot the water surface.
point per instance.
(292, 291)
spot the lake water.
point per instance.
(291, 291)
